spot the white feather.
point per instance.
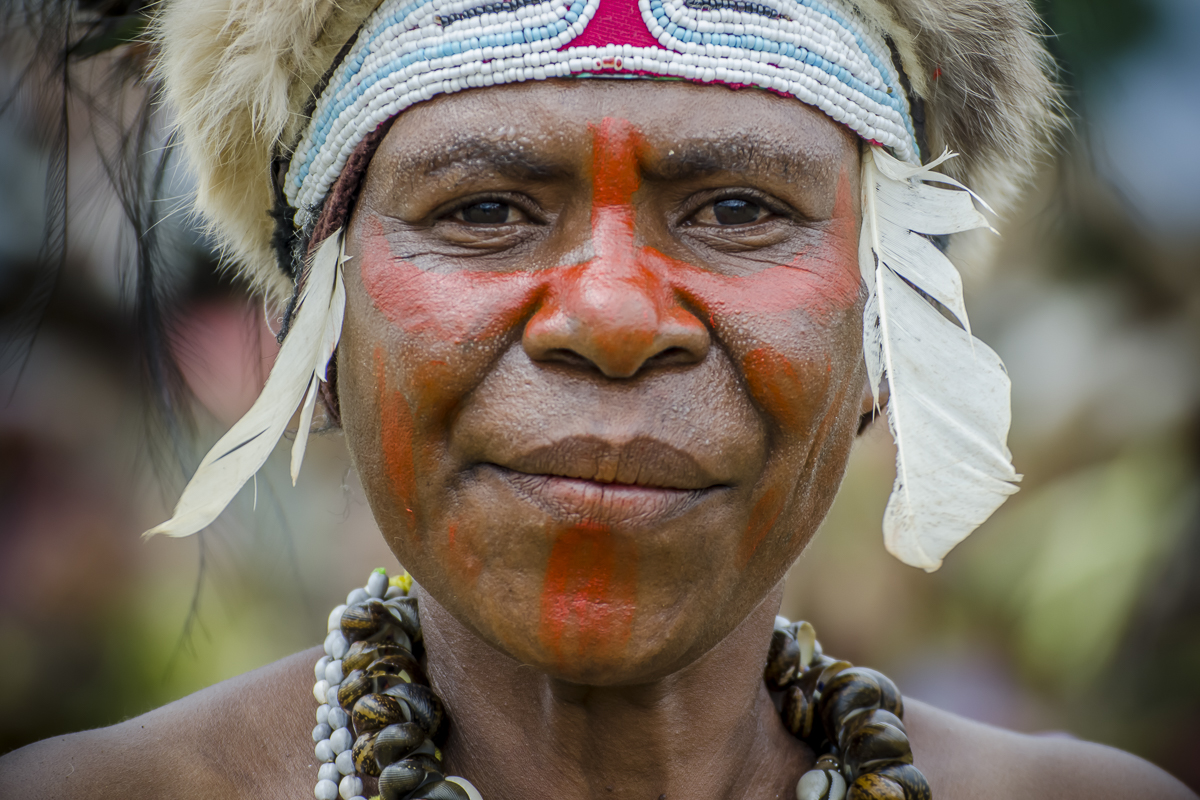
(948, 407)
(239, 454)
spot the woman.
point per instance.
(600, 348)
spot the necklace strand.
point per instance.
(377, 716)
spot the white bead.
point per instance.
(338, 718)
(332, 699)
(319, 669)
(341, 740)
(329, 772)
(350, 787)
(326, 790)
(781, 622)
(336, 644)
(323, 714)
(324, 751)
(335, 618)
(812, 785)
(333, 673)
(345, 762)
(357, 596)
(322, 731)
(321, 690)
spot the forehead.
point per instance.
(544, 124)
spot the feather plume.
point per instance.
(948, 407)
(301, 363)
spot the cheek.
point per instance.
(396, 439)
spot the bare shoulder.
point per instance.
(964, 759)
(245, 737)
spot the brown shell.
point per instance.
(427, 709)
(875, 787)
(375, 711)
(363, 754)
(875, 742)
(363, 620)
(397, 661)
(354, 686)
(403, 613)
(890, 699)
(908, 776)
(846, 691)
(398, 780)
(396, 742)
(441, 790)
(783, 661)
(361, 654)
(797, 712)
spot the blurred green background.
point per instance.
(1076, 608)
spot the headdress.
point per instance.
(273, 98)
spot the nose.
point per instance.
(617, 316)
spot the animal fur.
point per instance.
(239, 74)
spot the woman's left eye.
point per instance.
(731, 211)
(489, 212)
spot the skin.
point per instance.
(597, 421)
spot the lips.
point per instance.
(638, 482)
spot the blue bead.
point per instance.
(571, 16)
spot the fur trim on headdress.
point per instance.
(240, 75)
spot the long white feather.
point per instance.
(302, 360)
(948, 407)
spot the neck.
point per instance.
(706, 732)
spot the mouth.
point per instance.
(584, 479)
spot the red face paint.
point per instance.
(587, 606)
(763, 517)
(396, 436)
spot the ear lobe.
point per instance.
(868, 412)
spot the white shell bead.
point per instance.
(336, 644)
(335, 619)
(319, 669)
(345, 762)
(320, 690)
(377, 584)
(323, 714)
(812, 785)
(326, 790)
(350, 787)
(357, 596)
(329, 772)
(338, 717)
(393, 591)
(341, 740)
(331, 698)
(333, 673)
(323, 751)
(322, 731)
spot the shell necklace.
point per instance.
(378, 718)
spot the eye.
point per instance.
(732, 211)
(489, 212)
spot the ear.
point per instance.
(868, 412)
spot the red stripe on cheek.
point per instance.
(456, 307)
(588, 597)
(763, 517)
(396, 436)
(461, 557)
(777, 387)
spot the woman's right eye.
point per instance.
(489, 212)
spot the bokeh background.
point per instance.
(1075, 609)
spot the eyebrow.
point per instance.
(752, 154)
(511, 158)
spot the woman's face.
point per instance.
(601, 365)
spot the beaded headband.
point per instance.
(948, 392)
(823, 54)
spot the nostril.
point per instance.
(672, 356)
